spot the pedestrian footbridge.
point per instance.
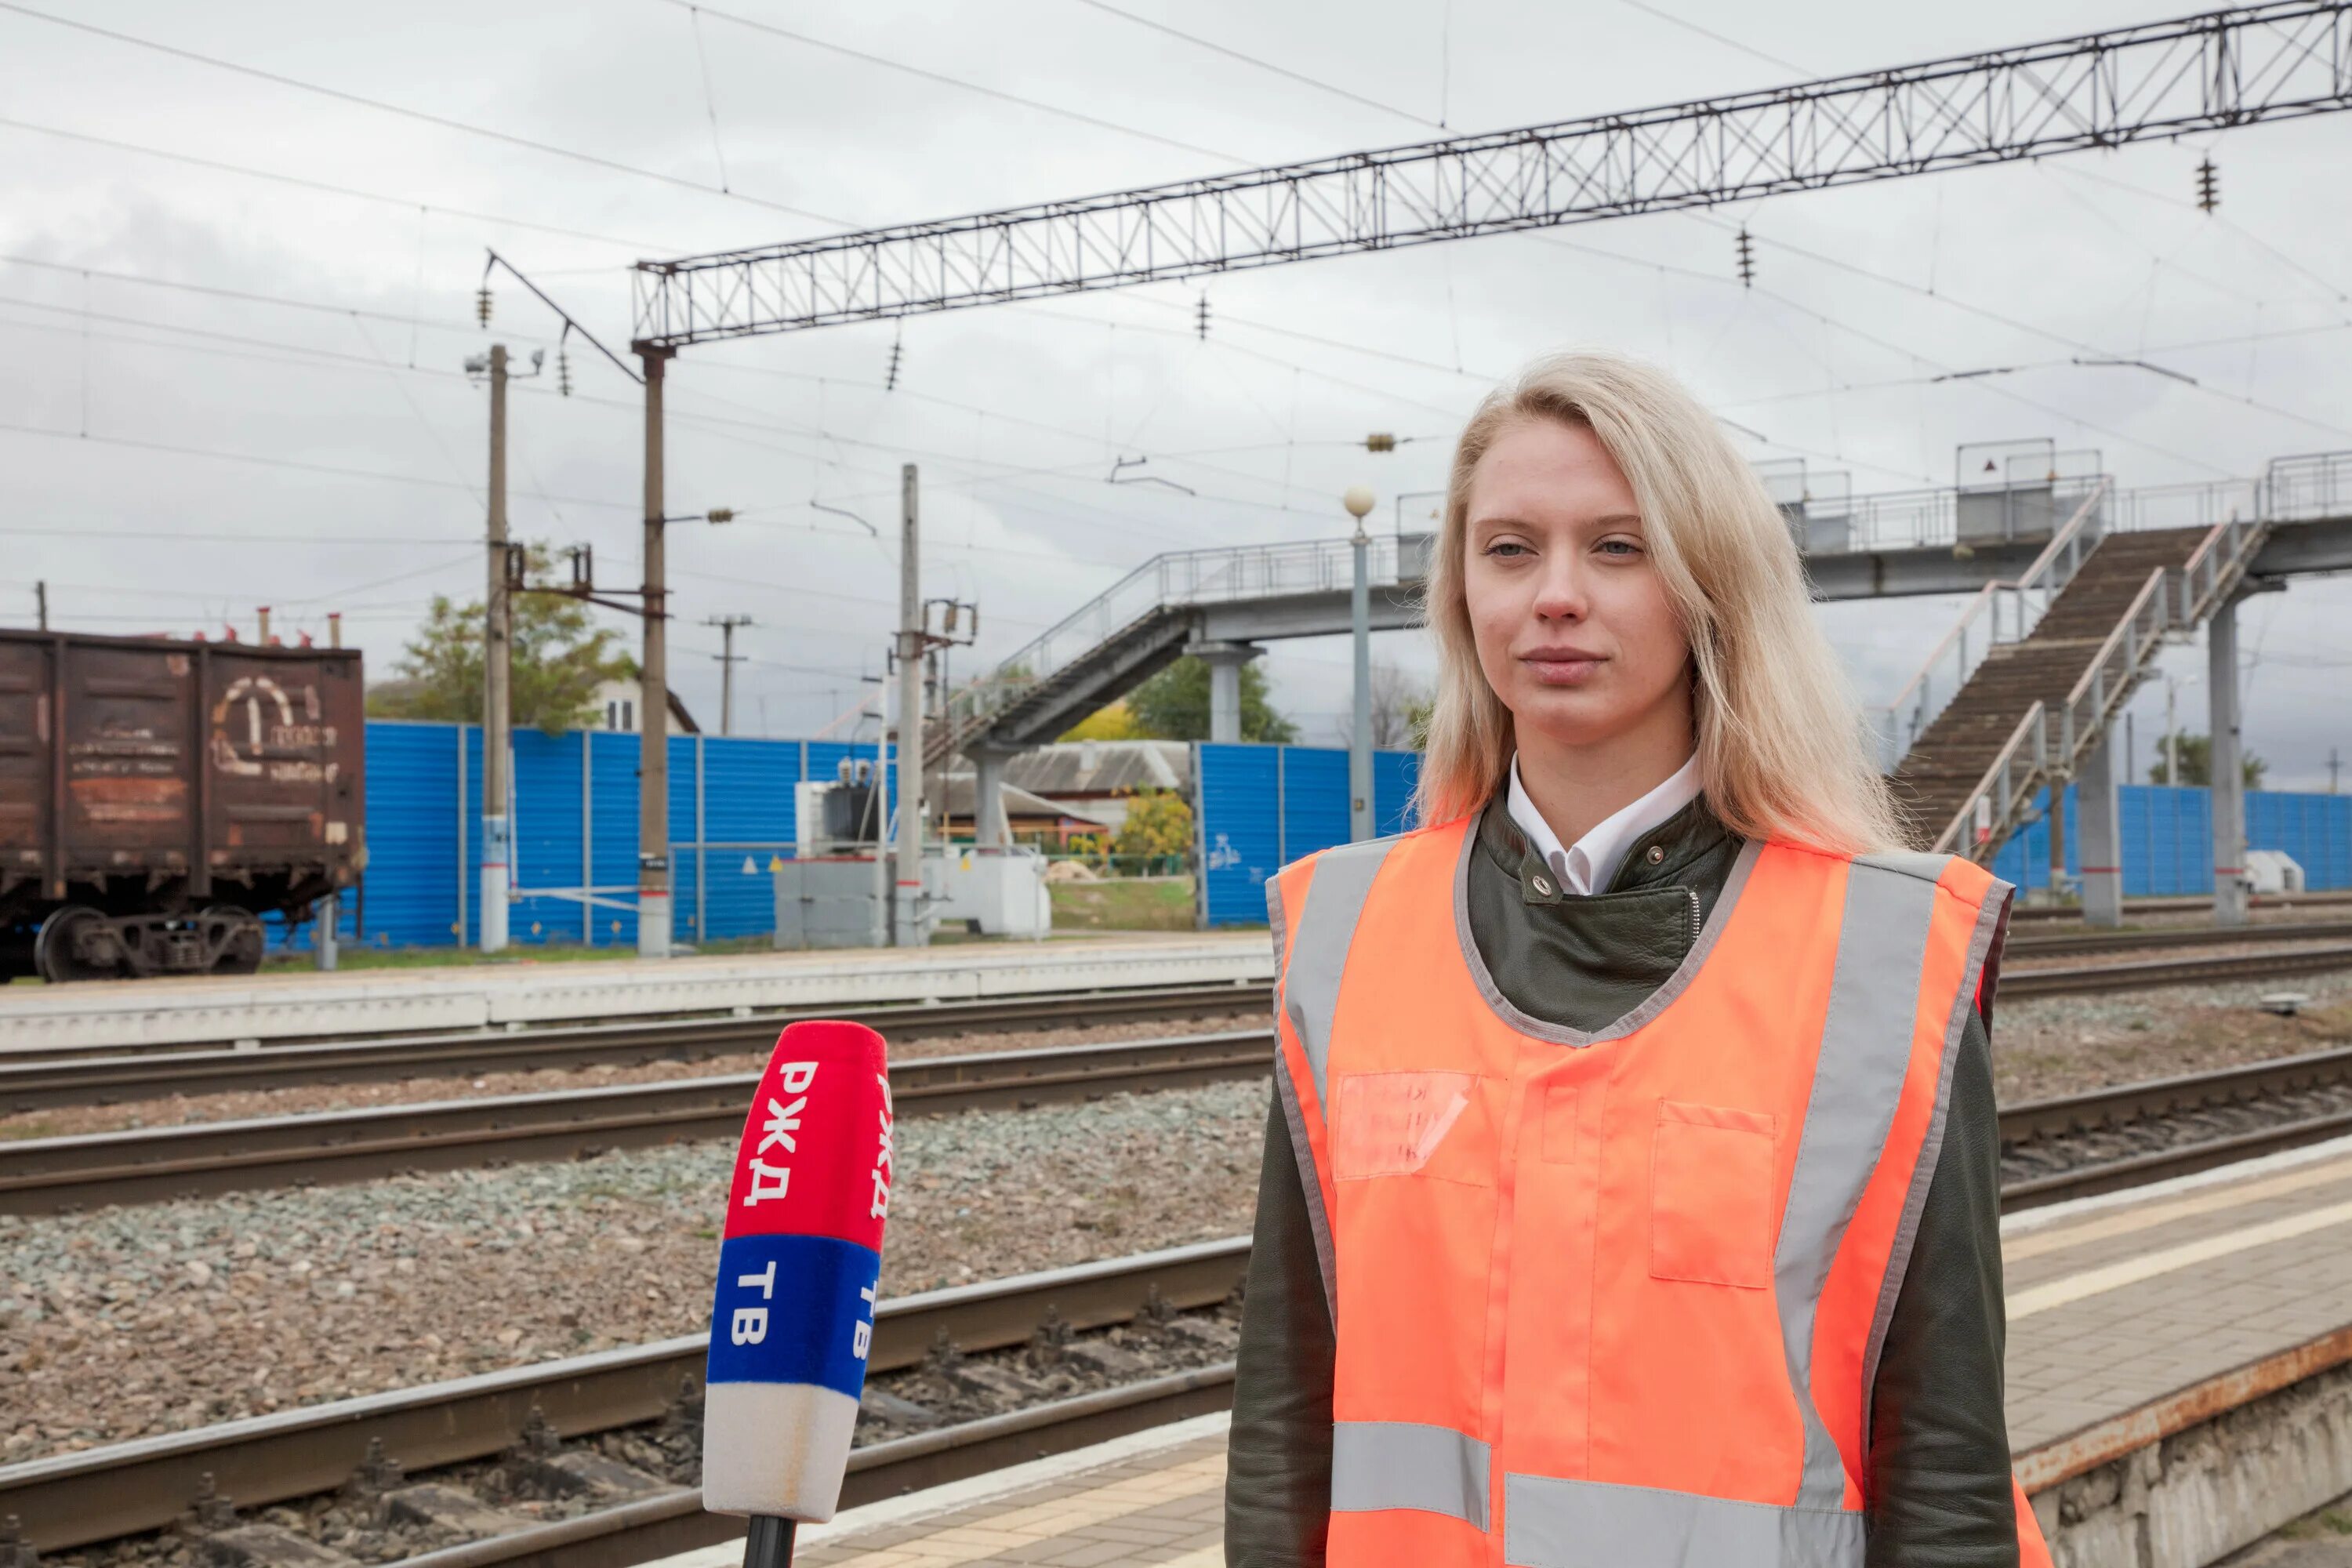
(2076, 586)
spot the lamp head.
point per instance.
(1358, 501)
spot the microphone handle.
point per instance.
(769, 1543)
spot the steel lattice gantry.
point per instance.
(2230, 67)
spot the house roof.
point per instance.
(1018, 802)
(1073, 769)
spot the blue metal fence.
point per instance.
(575, 827)
(1261, 807)
(2168, 839)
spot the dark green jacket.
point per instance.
(1940, 1482)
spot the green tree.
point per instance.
(2195, 763)
(1159, 824)
(1173, 705)
(560, 657)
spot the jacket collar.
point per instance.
(1662, 858)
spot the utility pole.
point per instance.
(727, 660)
(906, 928)
(496, 701)
(1360, 501)
(653, 694)
(2335, 766)
(41, 603)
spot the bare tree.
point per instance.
(1400, 706)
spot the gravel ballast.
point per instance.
(128, 1323)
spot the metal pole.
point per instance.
(497, 645)
(41, 603)
(329, 914)
(653, 694)
(1359, 744)
(909, 901)
(2171, 734)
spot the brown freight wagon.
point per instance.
(157, 798)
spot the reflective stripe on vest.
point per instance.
(1911, 934)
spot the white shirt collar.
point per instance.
(1590, 863)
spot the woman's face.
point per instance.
(1572, 623)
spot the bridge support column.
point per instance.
(989, 827)
(2098, 834)
(1225, 660)
(2228, 780)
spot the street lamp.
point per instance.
(1360, 501)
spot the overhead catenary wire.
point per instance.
(328, 187)
(421, 115)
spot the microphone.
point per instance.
(792, 1317)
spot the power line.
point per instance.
(1283, 71)
(422, 116)
(328, 186)
(1727, 42)
(945, 80)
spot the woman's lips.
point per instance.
(1561, 667)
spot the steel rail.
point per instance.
(98, 1494)
(657, 1526)
(99, 1079)
(2055, 944)
(46, 1175)
(114, 1078)
(2168, 904)
(2089, 978)
(576, 1045)
(2101, 1107)
(155, 1164)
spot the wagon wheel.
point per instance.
(240, 936)
(53, 948)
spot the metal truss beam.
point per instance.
(2272, 61)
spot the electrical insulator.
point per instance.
(2208, 186)
(1200, 317)
(563, 373)
(482, 304)
(1746, 260)
(1379, 441)
(890, 380)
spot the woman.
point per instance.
(1631, 1190)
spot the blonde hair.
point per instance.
(1781, 740)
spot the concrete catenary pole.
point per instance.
(653, 694)
(497, 835)
(1360, 501)
(2226, 773)
(727, 661)
(906, 905)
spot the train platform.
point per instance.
(131, 1014)
(2180, 1385)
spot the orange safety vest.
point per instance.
(1618, 1305)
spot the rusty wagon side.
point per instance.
(158, 797)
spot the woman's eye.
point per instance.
(1622, 548)
(1508, 547)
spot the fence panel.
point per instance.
(1259, 807)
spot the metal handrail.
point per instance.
(1999, 791)
(2050, 572)
(2094, 681)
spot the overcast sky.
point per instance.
(236, 311)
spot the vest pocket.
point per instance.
(1711, 1186)
(1393, 1123)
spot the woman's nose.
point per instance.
(1560, 592)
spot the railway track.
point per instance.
(47, 1176)
(32, 1081)
(124, 1488)
(46, 1080)
(106, 1493)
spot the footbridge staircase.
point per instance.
(2026, 682)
